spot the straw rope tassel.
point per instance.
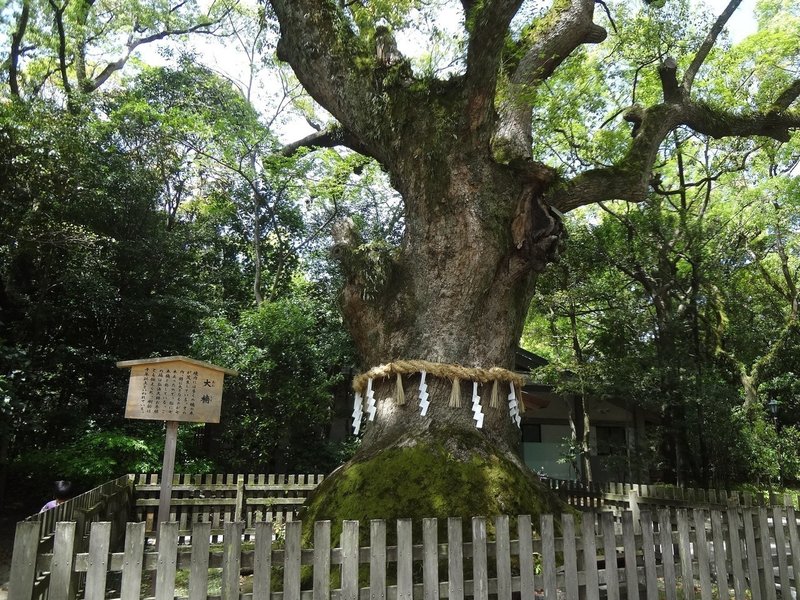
(455, 395)
(494, 401)
(399, 394)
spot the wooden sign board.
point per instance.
(174, 388)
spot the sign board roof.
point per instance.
(163, 359)
(174, 388)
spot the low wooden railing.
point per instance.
(617, 497)
(223, 498)
(747, 552)
(113, 498)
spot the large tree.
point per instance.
(482, 215)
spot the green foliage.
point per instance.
(276, 412)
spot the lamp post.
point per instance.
(772, 405)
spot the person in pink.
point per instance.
(63, 492)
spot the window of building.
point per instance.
(531, 433)
(611, 440)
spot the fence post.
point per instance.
(61, 580)
(231, 560)
(526, 567)
(455, 559)
(237, 513)
(23, 560)
(633, 503)
(96, 574)
(430, 559)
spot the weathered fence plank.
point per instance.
(61, 566)
(780, 547)
(198, 571)
(405, 581)
(768, 580)
(570, 557)
(322, 560)
(685, 545)
(349, 560)
(430, 559)
(649, 555)
(667, 553)
(629, 549)
(167, 560)
(720, 568)
(455, 560)
(99, 543)
(590, 558)
(377, 560)
(750, 551)
(23, 560)
(735, 546)
(794, 542)
(701, 550)
(292, 557)
(503, 557)
(132, 562)
(262, 560)
(548, 557)
(610, 555)
(231, 560)
(526, 567)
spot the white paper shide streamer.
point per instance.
(357, 413)
(371, 408)
(513, 407)
(477, 413)
(423, 395)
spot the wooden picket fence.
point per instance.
(744, 552)
(618, 497)
(222, 498)
(251, 498)
(112, 501)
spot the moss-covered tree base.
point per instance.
(436, 476)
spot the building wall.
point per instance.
(544, 445)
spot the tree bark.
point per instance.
(16, 49)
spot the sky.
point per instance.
(742, 22)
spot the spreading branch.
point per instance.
(328, 59)
(94, 83)
(708, 44)
(327, 138)
(58, 17)
(16, 45)
(563, 30)
(630, 178)
(488, 23)
(788, 96)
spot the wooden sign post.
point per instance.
(173, 389)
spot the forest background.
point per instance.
(163, 210)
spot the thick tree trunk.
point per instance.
(456, 294)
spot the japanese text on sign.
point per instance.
(174, 391)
